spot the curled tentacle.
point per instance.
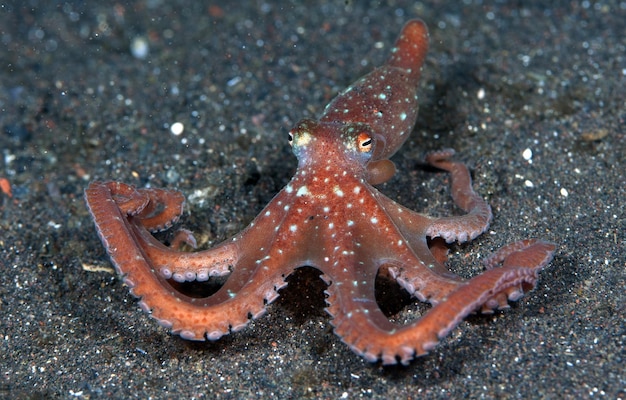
(129, 200)
(159, 209)
(529, 253)
(114, 199)
(476, 221)
(137, 257)
(163, 210)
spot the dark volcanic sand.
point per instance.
(77, 105)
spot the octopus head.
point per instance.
(352, 145)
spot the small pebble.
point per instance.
(177, 128)
(527, 154)
(139, 47)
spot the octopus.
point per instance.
(329, 217)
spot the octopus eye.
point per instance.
(290, 139)
(365, 142)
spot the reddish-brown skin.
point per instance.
(329, 217)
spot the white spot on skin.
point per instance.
(289, 189)
(402, 116)
(293, 228)
(303, 191)
(350, 222)
(262, 259)
(357, 189)
(338, 191)
(374, 220)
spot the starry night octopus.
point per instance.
(330, 217)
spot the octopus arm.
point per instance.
(361, 325)
(528, 252)
(137, 256)
(476, 221)
(158, 208)
(432, 254)
(416, 228)
(146, 210)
